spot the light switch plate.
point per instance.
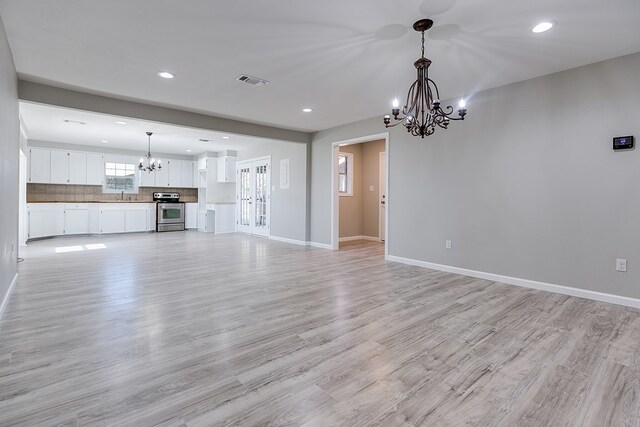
(371, 188)
(621, 264)
(447, 244)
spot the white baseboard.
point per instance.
(320, 245)
(5, 300)
(286, 240)
(526, 283)
(351, 238)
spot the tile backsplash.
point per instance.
(93, 193)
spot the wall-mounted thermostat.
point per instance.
(622, 142)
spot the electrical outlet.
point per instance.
(88, 197)
(621, 264)
(447, 244)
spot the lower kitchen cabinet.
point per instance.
(190, 215)
(76, 219)
(45, 219)
(135, 220)
(111, 220)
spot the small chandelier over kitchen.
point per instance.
(422, 111)
(151, 162)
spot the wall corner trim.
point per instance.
(525, 283)
(320, 245)
(5, 300)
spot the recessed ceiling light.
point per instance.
(225, 137)
(121, 123)
(543, 26)
(307, 110)
(165, 74)
(104, 140)
(188, 151)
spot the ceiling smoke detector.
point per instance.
(253, 81)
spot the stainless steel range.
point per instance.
(169, 212)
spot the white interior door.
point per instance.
(253, 193)
(383, 196)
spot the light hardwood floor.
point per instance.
(191, 328)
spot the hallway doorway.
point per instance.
(360, 191)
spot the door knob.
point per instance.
(383, 202)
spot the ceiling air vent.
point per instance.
(253, 81)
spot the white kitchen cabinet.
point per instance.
(135, 220)
(202, 163)
(95, 169)
(39, 165)
(162, 175)
(195, 174)
(147, 179)
(112, 220)
(45, 219)
(190, 215)
(226, 169)
(186, 174)
(77, 168)
(59, 167)
(152, 216)
(94, 218)
(202, 221)
(76, 218)
(175, 173)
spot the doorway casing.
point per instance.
(335, 202)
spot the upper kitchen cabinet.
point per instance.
(95, 169)
(162, 175)
(59, 167)
(175, 173)
(226, 169)
(39, 165)
(147, 179)
(65, 167)
(186, 174)
(77, 168)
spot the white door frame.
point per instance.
(382, 207)
(335, 201)
(238, 207)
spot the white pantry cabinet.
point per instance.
(226, 169)
(190, 215)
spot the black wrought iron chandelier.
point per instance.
(422, 112)
(151, 166)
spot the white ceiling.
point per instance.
(344, 59)
(47, 123)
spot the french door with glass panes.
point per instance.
(253, 194)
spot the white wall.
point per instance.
(288, 206)
(527, 186)
(9, 162)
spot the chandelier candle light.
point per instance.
(151, 162)
(422, 111)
